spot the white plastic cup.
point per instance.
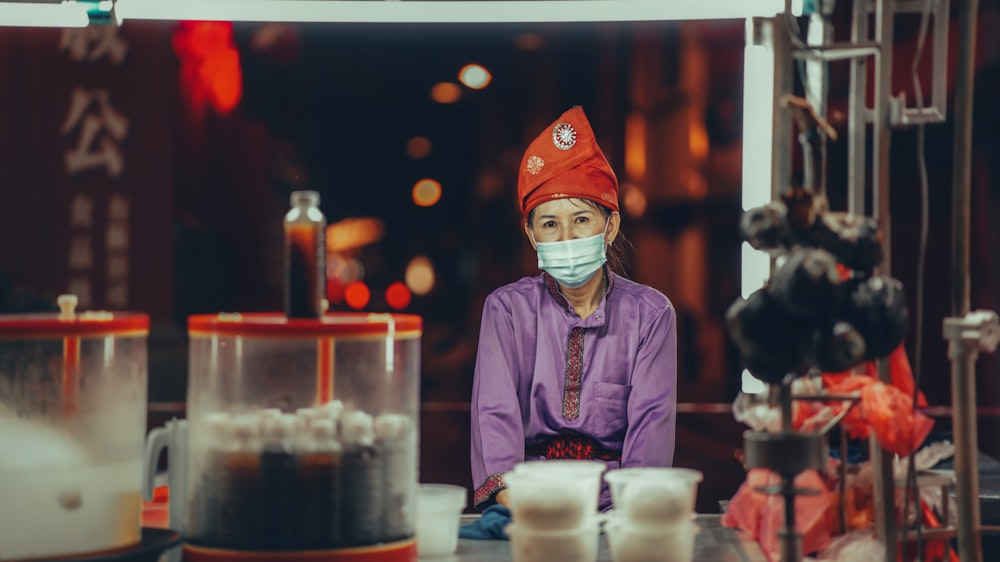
(554, 494)
(567, 545)
(629, 543)
(654, 495)
(439, 513)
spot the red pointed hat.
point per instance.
(565, 161)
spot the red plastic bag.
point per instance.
(900, 374)
(762, 516)
(889, 412)
(852, 423)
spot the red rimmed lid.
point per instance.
(40, 325)
(267, 324)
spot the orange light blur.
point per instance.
(426, 192)
(397, 296)
(698, 139)
(635, 146)
(420, 275)
(446, 92)
(209, 65)
(352, 233)
(357, 295)
(474, 76)
(418, 147)
(529, 41)
(634, 200)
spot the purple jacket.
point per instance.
(541, 371)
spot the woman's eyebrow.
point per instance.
(575, 214)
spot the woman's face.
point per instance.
(567, 219)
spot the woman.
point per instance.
(578, 362)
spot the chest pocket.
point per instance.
(610, 407)
(612, 393)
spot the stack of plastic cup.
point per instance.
(554, 509)
(439, 514)
(653, 519)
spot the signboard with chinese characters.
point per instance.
(87, 165)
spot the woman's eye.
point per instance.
(581, 220)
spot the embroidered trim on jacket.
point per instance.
(574, 375)
(488, 490)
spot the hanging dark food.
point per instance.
(765, 227)
(807, 284)
(769, 338)
(835, 347)
(876, 306)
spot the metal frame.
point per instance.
(888, 112)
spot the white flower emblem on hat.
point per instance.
(563, 136)
(534, 165)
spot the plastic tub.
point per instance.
(569, 545)
(439, 511)
(311, 421)
(654, 495)
(554, 495)
(629, 543)
(72, 421)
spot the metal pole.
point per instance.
(882, 462)
(781, 152)
(963, 384)
(857, 112)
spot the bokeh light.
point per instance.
(418, 147)
(420, 275)
(634, 200)
(335, 290)
(446, 92)
(353, 232)
(529, 41)
(397, 295)
(426, 192)
(357, 295)
(475, 76)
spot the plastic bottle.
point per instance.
(305, 256)
(362, 514)
(278, 483)
(396, 440)
(239, 487)
(320, 472)
(203, 513)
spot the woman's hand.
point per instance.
(503, 498)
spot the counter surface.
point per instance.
(714, 543)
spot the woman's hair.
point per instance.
(619, 253)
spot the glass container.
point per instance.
(302, 432)
(72, 426)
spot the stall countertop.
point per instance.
(714, 543)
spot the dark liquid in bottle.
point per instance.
(321, 524)
(304, 270)
(203, 513)
(397, 488)
(239, 491)
(278, 493)
(362, 514)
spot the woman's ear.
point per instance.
(614, 222)
(530, 235)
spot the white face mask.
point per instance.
(573, 262)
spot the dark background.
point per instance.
(331, 108)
